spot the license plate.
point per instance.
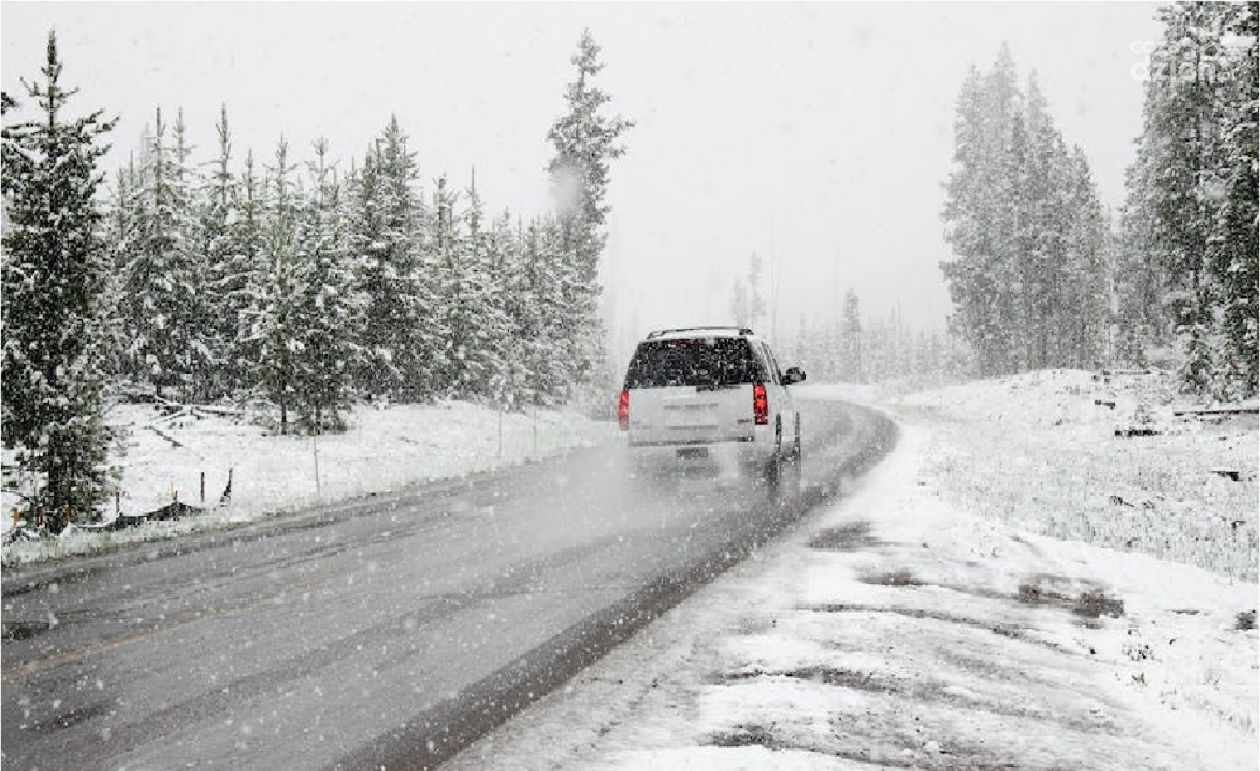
(691, 453)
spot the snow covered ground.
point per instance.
(926, 622)
(385, 449)
(1039, 451)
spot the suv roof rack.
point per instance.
(660, 332)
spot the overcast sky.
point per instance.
(817, 135)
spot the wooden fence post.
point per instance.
(315, 452)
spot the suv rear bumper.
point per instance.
(693, 442)
(731, 455)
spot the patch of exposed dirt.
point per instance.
(846, 678)
(749, 735)
(1090, 603)
(1246, 620)
(72, 718)
(1095, 604)
(922, 690)
(850, 536)
(13, 631)
(901, 577)
(1004, 630)
(949, 756)
(991, 668)
(746, 736)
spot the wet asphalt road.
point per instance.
(391, 630)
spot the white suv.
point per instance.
(701, 393)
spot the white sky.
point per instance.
(822, 132)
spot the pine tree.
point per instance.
(483, 320)
(505, 378)
(451, 253)
(540, 313)
(1191, 209)
(514, 293)
(1020, 258)
(162, 275)
(934, 359)
(247, 278)
(198, 316)
(119, 232)
(279, 324)
(1082, 322)
(1233, 249)
(1000, 208)
(853, 336)
(560, 342)
(1178, 109)
(585, 140)
(377, 375)
(402, 335)
(230, 267)
(326, 311)
(54, 273)
(1043, 219)
(1137, 277)
(1026, 230)
(979, 217)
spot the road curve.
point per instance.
(386, 631)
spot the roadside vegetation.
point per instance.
(284, 279)
(1054, 452)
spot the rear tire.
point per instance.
(774, 469)
(785, 470)
(790, 484)
(773, 472)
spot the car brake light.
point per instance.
(761, 405)
(623, 410)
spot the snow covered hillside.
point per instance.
(924, 621)
(385, 449)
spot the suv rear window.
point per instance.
(703, 362)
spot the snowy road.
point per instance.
(389, 631)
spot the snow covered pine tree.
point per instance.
(54, 272)
(585, 140)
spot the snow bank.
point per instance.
(384, 450)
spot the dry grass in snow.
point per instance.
(1036, 450)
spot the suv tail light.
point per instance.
(761, 405)
(623, 410)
